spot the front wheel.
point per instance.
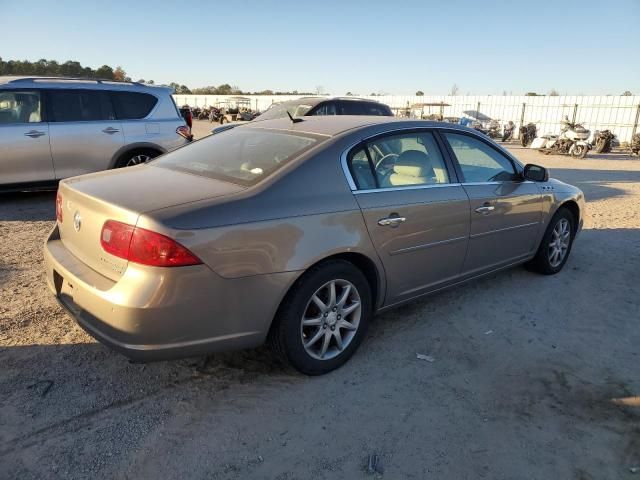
(556, 244)
(601, 145)
(579, 151)
(323, 319)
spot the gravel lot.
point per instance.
(525, 369)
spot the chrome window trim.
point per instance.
(471, 184)
(352, 185)
(408, 187)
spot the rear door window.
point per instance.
(80, 106)
(133, 105)
(327, 108)
(350, 108)
(20, 107)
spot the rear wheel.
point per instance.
(579, 151)
(136, 157)
(601, 145)
(556, 244)
(323, 319)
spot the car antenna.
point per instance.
(294, 120)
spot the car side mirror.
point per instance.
(535, 173)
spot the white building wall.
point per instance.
(616, 113)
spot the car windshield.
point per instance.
(241, 155)
(279, 110)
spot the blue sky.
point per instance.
(396, 47)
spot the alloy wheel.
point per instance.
(331, 319)
(138, 159)
(559, 244)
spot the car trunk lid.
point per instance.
(87, 202)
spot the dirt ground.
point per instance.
(525, 369)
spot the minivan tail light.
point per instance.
(143, 246)
(59, 216)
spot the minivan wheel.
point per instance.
(556, 244)
(136, 157)
(323, 319)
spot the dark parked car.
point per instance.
(315, 106)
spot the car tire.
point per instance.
(305, 334)
(579, 151)
(136, 157)
(554, 240)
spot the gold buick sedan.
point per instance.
(296, 232)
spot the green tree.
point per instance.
(105, 72)
(419, 93)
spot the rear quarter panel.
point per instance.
(305, 215)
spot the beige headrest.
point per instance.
(413, 163)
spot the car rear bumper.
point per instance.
(164, 313)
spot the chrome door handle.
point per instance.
(486, 209)
(392, 221)
(110, 130)
(34, 134)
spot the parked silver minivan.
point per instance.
(54, 128)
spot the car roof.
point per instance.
(72, 82)
(334, 125)
(316, 100)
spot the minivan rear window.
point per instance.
(132, 105)
(241, 155)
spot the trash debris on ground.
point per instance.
(488, 332)
(428, 358)
(634, 469)
(374, 465)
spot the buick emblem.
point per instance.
(77, 221)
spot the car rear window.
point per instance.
(132, 105)
(240, 155)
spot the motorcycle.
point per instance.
(507, 133)
(527, 133)
(604, 140)
(571, 141)
(635, 144)
(493, 129)
(215, 114)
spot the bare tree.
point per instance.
(553, 93)
(319, 90)
(454, 90)
(419, 93)
(627, 93)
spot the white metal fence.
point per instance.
(619, 114)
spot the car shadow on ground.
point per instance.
(532, 369)
(30, 206)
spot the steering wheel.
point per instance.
(386, 163)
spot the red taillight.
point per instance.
(184, 132)
(144, 246)
(59, 207)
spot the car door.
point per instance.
(84, 132)
(416, 212)
(506, 211)
(25, 154)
